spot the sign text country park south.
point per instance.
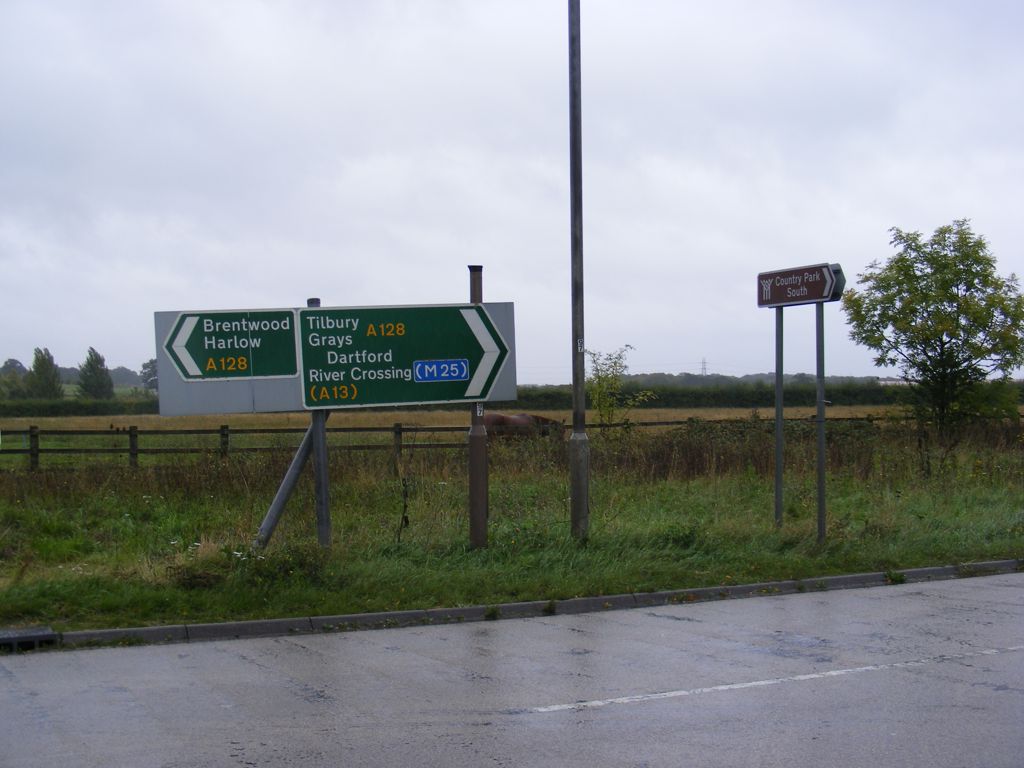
(800, 285)
(347, 357)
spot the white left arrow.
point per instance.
(490, 348)
(179, 345)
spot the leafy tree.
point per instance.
(94, 380)
(42, 382)
(12, 367)
(604, 386)
(11, 386)
(939, 312)
(125, 377)
(148, 374)
(12, 375)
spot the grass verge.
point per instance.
(102, 546)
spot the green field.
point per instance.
(88, 543)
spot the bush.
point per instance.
(77, 407)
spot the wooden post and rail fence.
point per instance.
(35, 442)
(134, 442)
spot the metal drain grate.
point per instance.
(27, 639)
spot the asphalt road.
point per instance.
(911, 675)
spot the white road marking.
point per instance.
(596, 703)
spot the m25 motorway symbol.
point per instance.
(440, 370)
(398, 355)
(800, 285)
(233, 344)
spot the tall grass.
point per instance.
(692, 505)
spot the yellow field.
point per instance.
(385, 418)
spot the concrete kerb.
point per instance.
(434, 616)
(354, 621)
(258, 628)
(173, 633)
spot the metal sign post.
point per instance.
(579, 446)
(819, 335)
(779, 432)
(478, 478)
(321, 480)
(314, 443)
(814, 284)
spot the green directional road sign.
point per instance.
(233, 344)
(398, 355)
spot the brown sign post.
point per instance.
(800, 285)
(814, 284)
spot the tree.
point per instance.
(148, 374)
(125, 377)
(12, 367)
(94, 380)
(11, 386)
(604, 386)
(42, 382)
(12, 377)
(939, 312)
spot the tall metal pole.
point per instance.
(779, 439)
(321, 481)
(579, 447)
(819, 310)
(478, 482)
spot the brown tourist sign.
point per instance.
(800, 285)
(814, 284)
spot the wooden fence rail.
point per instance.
(133, 439)
(32, 443)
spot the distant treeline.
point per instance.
(77, 407)
(120, 376)
(736, 394)
(729, 392)
(750, 392)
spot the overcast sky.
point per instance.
(206, 154)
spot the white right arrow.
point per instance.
(179, 345)
(491, 352)
(829, 280)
